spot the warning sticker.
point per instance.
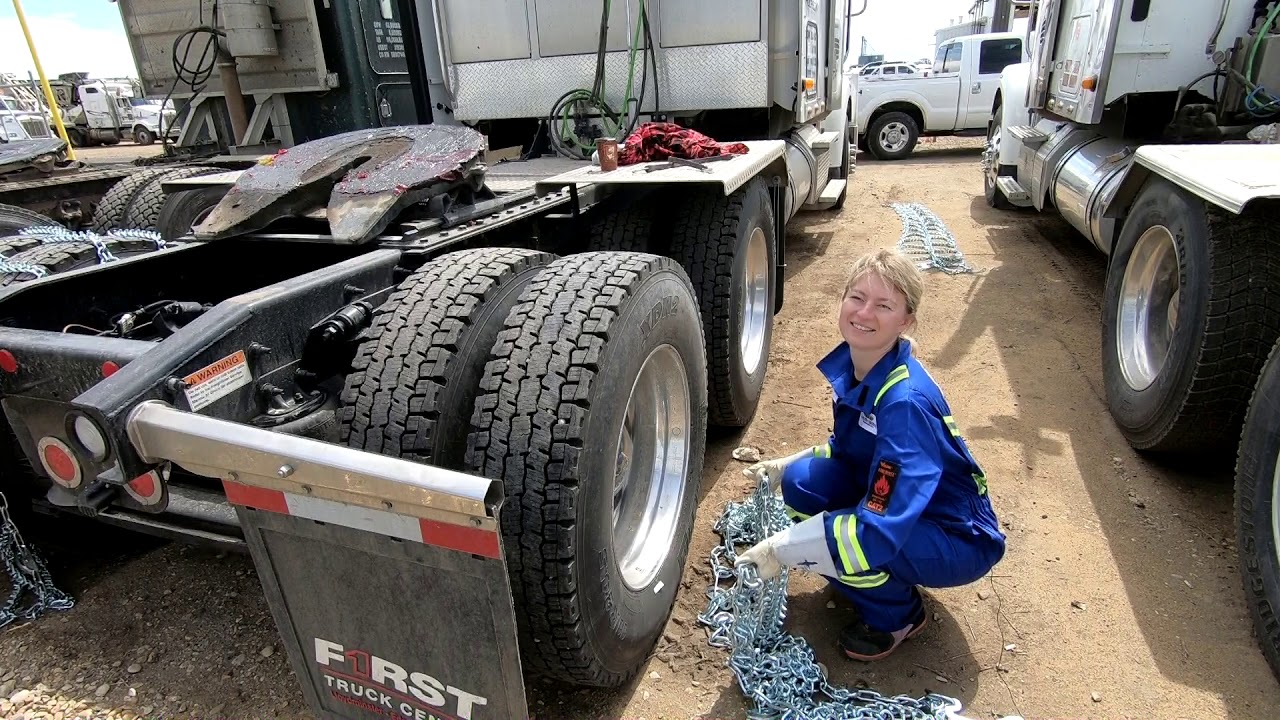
(209, 383)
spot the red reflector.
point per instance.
(144, 485)
(60, 462)
(109, 368)
(8, 362)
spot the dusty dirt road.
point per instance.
(1119, 596)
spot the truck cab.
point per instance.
(895, 111)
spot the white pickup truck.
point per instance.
(955, 99)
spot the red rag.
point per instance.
(660, 141)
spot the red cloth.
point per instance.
(659, 141)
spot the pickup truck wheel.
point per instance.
(893, 136)
(113, 205)
(1188, 319)
(144, 210)
(185, 209)
(593, 414)
(1258, 509)
(417, 370)
(66, 256)
(727, 246)
(13, 220)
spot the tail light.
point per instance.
(59, 462)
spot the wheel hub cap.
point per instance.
(893, 137)
(1148, 316)
(753, 304)
(651, 467)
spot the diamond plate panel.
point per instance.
(712, 77)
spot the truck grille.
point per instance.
(36, 128)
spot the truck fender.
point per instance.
(1229, 176)
(1012, 99)
(899, 100)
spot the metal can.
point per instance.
(607, 148)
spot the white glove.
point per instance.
(775, 469)
(764, 556)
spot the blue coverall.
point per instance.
(906, 502)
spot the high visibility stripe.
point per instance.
(471, 540)
(981, 479)
(823, 450)
(838, 529)
(951, 425)
(846, 531)
(896, 376)
(865, 582)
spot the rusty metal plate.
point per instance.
(20, 154)
(363, 179)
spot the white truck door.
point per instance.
(98, 108)
(945, 91)
(987, 59)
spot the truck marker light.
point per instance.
(8, 362)
(147, 488)
(109, 368)
(1089, 83)
(58, 461)
(91, 437)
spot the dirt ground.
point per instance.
(1119, 596)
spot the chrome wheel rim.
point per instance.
(651, 467)
(893, 137)
(753, 302)
(991, 156)
(1149, 297)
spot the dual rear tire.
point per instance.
(581, 383)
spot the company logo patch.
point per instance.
(361, 679)
(882, 488)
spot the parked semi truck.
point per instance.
(1151, 128)
(531, 348)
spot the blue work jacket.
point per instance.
(895, 432)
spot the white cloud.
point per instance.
(65, 46)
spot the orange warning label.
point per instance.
(217, 380)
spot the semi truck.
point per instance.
(1150, 127)
(456, 323)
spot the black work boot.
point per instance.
(860, 642)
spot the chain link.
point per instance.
(926, 239)
(27, 572)
(777, 671)
(50, 235)
(9, 266)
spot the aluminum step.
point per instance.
(825, 140)
(1028, 135)
(1012, 190)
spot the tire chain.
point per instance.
(28, 572)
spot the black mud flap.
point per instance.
(363, 179)
(386, 615)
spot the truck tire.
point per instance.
(991, 192)
(1211, 276)
(14, 219)
(844, 172)
(893, 136)
(185, 209)
(599, 344)
(144, 209)
(417, 371)
(143, 136)
(627, 229)
(727, 245)
(1258, 509)
(66, 256)
(111, 208)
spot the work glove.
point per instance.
(764, 555)
(774, 469)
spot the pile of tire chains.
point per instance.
(27, 572)
(926, 239)
(777, 671)
(51, 234)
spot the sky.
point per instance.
(88, 35)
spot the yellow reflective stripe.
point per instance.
(951, 425)
(896, 376)
(981, 479)
(850, 540)
(865, 582)
(838, 528)
(823, 450)
(795, 514)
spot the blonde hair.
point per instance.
(895, 269)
